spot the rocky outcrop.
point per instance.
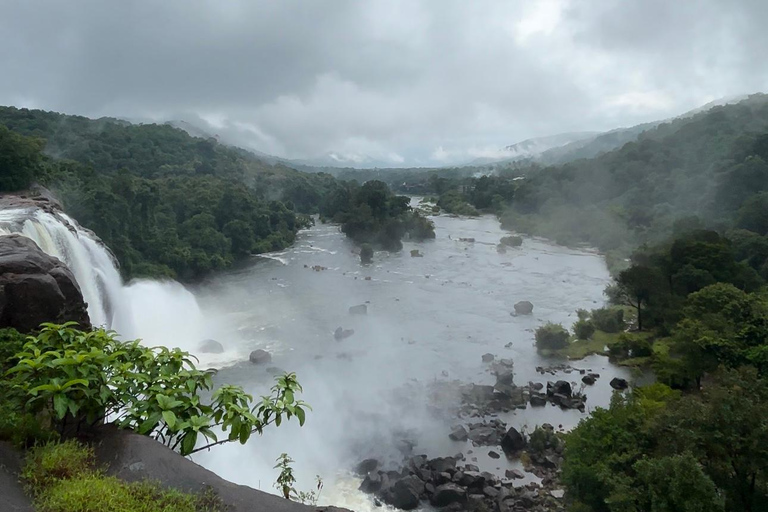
(523, 307)
(36, 287)
(134, 458)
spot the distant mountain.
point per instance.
(339, 160)
(531, 148)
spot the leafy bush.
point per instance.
(608, 319)
(551, 336)
(512, 241)
(584, 329)
(630, 345)
(81, 378)
(542, 439)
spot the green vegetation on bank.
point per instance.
(63, 477)
(172, 205)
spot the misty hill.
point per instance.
(709, 165)
(531, 148)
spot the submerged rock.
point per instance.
(416, 254)
(487, 358)
(523, 307)
(360, 309)
(260, 357)
(341, 334)
(210, 346)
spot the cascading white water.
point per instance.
(90, 262)
(160, 313)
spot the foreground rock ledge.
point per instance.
(133, 458)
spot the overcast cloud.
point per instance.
(405, 82)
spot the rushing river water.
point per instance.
(393, 382)
(429, 321)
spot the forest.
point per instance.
(172, 205)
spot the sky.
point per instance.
(398, 82)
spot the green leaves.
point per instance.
(86, 376)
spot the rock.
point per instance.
(443, 464)
(487, 358)
(211, 347)
(458, 433)
(416, 254)
(342, 334)
(494, 455)
(36, 288)
(470, 240)
(538, 400)
(538, 386)
(523, 307)
(617, 383)
(512, 241)
(447, 494)
(514, 474)
(260, 357)
(557, 493)
(405, 493)
(366, 466)
(560, 387)
(371, 483)
(472, 467)
(588, 379)
(360, 309)
(485, 436)
(501, 249)
(513, 441)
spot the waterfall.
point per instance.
(91, 263)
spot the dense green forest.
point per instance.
(682, 213)
(169, 204)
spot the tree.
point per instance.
(677, 484)
(551, 336)
(20, 160)
(638, 285)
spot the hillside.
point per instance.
(169, 204)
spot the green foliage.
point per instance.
(52, 462)
(81, 378)
(542, 439)
(63, 478)
(285, 483)
(584, 329)
(630, 345)
(453, 202)
(20, 160)
(551, 336)
(608, 319)
(372, 214)
(655, 450)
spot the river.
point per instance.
(429, 321)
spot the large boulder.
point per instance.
(523, 308)
(36, 287)
(405, 493)
(260, 357)
(560, 387)
(447, 494)
(513, 441)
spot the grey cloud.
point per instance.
(388, 79)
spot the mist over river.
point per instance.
(429, 321)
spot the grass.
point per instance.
(62, 477)
(597, 344)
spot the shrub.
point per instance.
(551, 336)
(584, 329)
(79, 378)
(630, 345)
(512, 241)
(608, 319)
(542, 439)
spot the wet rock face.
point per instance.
(36, 287)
